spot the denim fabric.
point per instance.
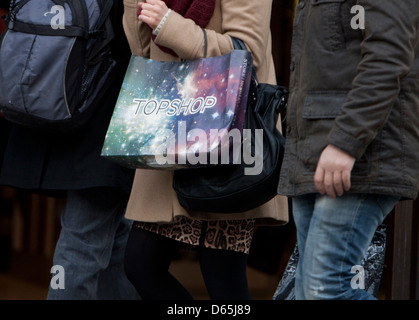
(333, 235)
(91, 247)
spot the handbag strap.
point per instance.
(238, 44)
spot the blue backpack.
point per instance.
(54, 62)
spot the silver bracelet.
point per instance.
(156, 31)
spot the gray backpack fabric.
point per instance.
(54, 62)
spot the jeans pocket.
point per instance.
(387, 203)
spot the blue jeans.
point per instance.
(91, 247)
(333, 236)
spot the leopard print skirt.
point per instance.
(218, 234)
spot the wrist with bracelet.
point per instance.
(158, 28)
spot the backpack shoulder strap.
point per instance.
(106, 7)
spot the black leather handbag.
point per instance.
(226, 188)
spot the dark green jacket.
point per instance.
(357, 89)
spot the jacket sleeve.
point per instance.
(388, 51)
(138, 34)
(247, 20)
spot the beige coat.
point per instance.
(153, 198)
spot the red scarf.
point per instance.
(199, 11)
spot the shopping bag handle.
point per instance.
(205, 42)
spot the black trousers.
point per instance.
(148, 257)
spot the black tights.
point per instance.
(147, 259)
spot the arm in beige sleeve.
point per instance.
(247, 20)
(138, 34)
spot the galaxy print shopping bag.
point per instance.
(172, 115)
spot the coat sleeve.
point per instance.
(247, 20)
(388, 51)
(138, 34)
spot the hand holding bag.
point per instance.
(242, 187)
